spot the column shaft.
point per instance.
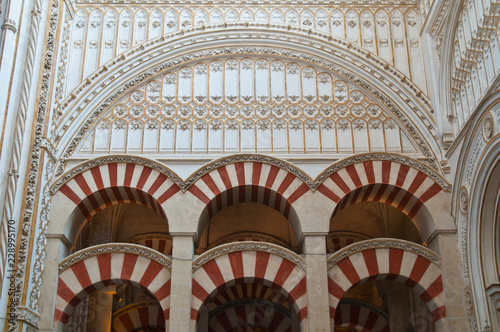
(180, 294)
(318, 312)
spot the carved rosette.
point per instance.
(464, 200)
(488, 127)
(469, 301)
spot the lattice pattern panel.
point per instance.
(246, 105)
(475, 57)
(100, 33)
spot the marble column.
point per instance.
(181, 289)
(103, 309)
(318, 313)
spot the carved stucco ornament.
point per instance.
(111, 248)
(488, 127)
(464, 200)
(249, 246)
(28, 316)
(469, 301)
(381, 244)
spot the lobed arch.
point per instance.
(104, 182)
(96, 267)
(161, 242)
(405, 262)
(251, 262)
(88, 101)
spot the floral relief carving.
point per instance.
(295, 125)
(249, 246)
(488, 127)
(343, 125)
(168, 125)
(464, 200)
(184, 125)
(200, 125)
(127, 248)
(327, 124)
(232, 125)
(383, 243)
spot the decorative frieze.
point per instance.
(383, 243)
(245, 246)
(115, 248)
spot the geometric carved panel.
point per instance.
(246, 104)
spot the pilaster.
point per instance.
(56, 250)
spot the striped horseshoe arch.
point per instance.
(361, 317)
(402, 261)
(243, 316)
(137, 316)
(96, 267)
(109, 184)
(338, 240)
(251, 262)
(161, 242)
(399, 185)
(253, 175)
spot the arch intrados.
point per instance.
(393, 196)
(258, 194)
(81, 215)
(249, 313)
(481, 239)
(261, 281)
(366, 316)
(146, 315)
(249, 291)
